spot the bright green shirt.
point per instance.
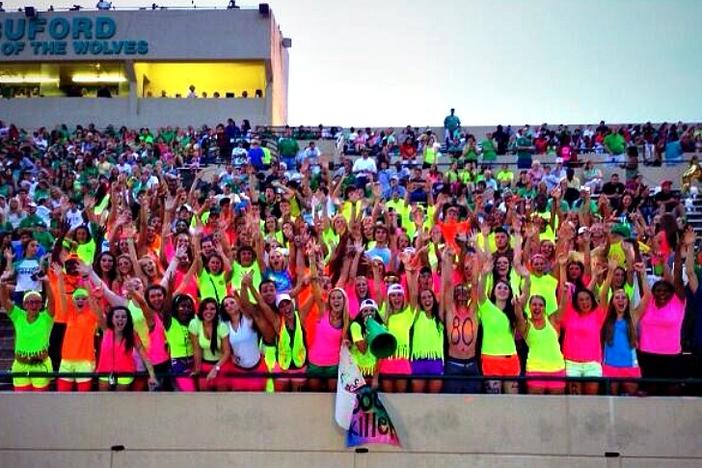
(400, 324)
(498, 337)
(212, 286)
(196, 328)
(545, 286)
(31, 338)
(427, 338)
(179, 342)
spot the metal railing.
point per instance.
(694, 383)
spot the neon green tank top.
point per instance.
(179, 342)
(544, 350)
(295, 352)
(427, 338)
(365, 361)
(399, 324)
(212, 286)
(498, 338)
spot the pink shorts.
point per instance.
(246, 384)
(394, 366)
(547, 384)
(611, 371)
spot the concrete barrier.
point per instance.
(297, 430)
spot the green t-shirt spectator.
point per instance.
(615, 143)
(523, 154)
(452, 122)
(288, 147)
(489, 150)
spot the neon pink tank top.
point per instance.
(659, 328)
(582, 342)
(324, 350)
(113, 356)
(158, 349)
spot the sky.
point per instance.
(398, 62)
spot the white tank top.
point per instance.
(244, 341)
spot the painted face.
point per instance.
(502, 291)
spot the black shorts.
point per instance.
(661, 366)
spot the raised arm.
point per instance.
(112, 298)
(689, 239)
(677, 273)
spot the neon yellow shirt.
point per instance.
(427, 338)
(498, 337)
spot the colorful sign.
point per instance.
(370, 423)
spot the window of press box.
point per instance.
(246, 79)
(80, 79)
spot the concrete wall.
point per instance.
(132, 112)
(249, 430)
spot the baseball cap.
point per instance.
(80, 292)
(396, 288)
(368, 303)
(31, 293)
(282, 297)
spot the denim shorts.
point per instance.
(462, 367)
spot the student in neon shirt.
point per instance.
(330, 330)
(119, 341)
(497, 315)
(78, 351)
(32, 324)
(660, 324)
(211, 349)
(619, 335)
(427, 353)
(545, 358)
(581, 316)
(398, 317)
(176, 322)
(360, 352)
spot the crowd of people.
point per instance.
(116, 262)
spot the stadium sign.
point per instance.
(59, 35)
